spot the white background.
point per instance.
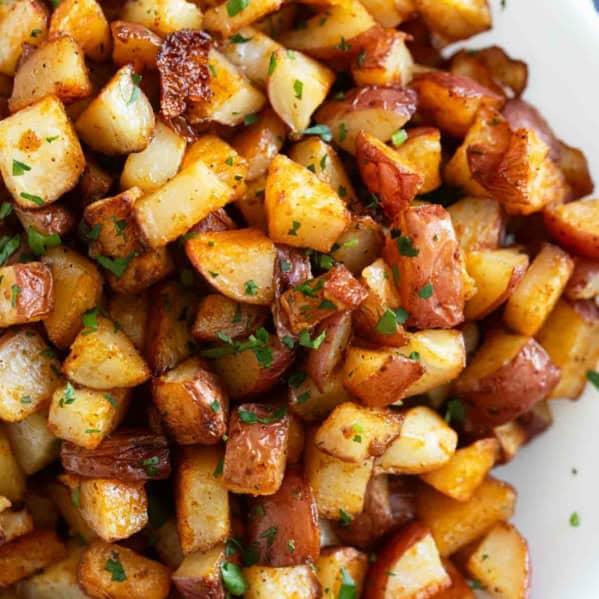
(559, 39)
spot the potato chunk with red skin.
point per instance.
(505, 378)
(584, 282)
(284, 526)
(408, 567)
(424, 248)
(450, 101)
(256, 451)
(192, 403)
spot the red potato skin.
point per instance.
(377, 577)
(396, 185)
(343, 288)
(583, 243)
(282, 358)
(293, 513)
(120, 456)
(512, 389)
(36, 297)
(322, 362)
(438, 263)
(584, 282)
(390, 503)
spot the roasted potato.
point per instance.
(294, 582)
(478, 223)
(584, 282)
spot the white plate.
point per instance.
(559, 39)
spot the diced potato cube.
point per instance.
(295, 582)
(199, 574)
(163, 16)
(131, 312)
(297, 203)
(336, 564)
(85, 416)
(455, 19)
(42, 143)
(120, 120)
(134, 44)
(61, 497)
(14, 523)
(225, 21)
(198, 484)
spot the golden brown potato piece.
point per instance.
(198, 482)
(584, 282)
(380, 111)
(26, 293)
(384, 172)
(163, 17)
(168, 338)
(353, 433)
(455, 20)
(28, 372)
(84, 20)
(56, 68)
(493, 68)
(128, 455)
(505, 378)
(47, 221)
(450, 102)
(199, 574)
(501, 563)
(135, 44)
(390, 503)
(256, 450)
(131, 312)
(570, 336)
(336, 565)
(409, 566)
(192, 403)
(239, 263)
(496, 273)
(575, 226)
(454, 524)
(294, 582)
(49, 169)
(574, 166)
(219, 314)
(426, 443)
(424, 249)
(226, 21)
(27, 554)
(460, 477)
(108, 570)
(284, 526)
(297, 203)
(478, 223)
(538, 291)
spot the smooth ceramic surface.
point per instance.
(559, 39)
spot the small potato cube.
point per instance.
(256, 451)
(168, 338)
(113, 509)
(455, 19)
(192, 403)
(454, 524)
(108, 570)
(85, 416)
(120, 120)
(28, 554)
(48, 169)
(238, 263)
(59, 580)
(222, 160)
(77, 288)
(501, 563)
(297, 203)
(158, 163)
(131, 312)
(538, 291)
(478, 223)
(134, 44)
(18, 19)
(29, 374)
(336, 564)
(180, 203)
(33, 444)
(199, 574)
(425, 443)
(198, 484)
(83, 20)
(222, 19)
(12, 480)
(292, 514)
(14, 523)
(297, 86)
(295, 582)
(163, 16)
(103, 357)
(354, 433)
(55, 68)
(422, 151)
(460, 477)
(217, 313)
(339, 487)
(570, 336)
